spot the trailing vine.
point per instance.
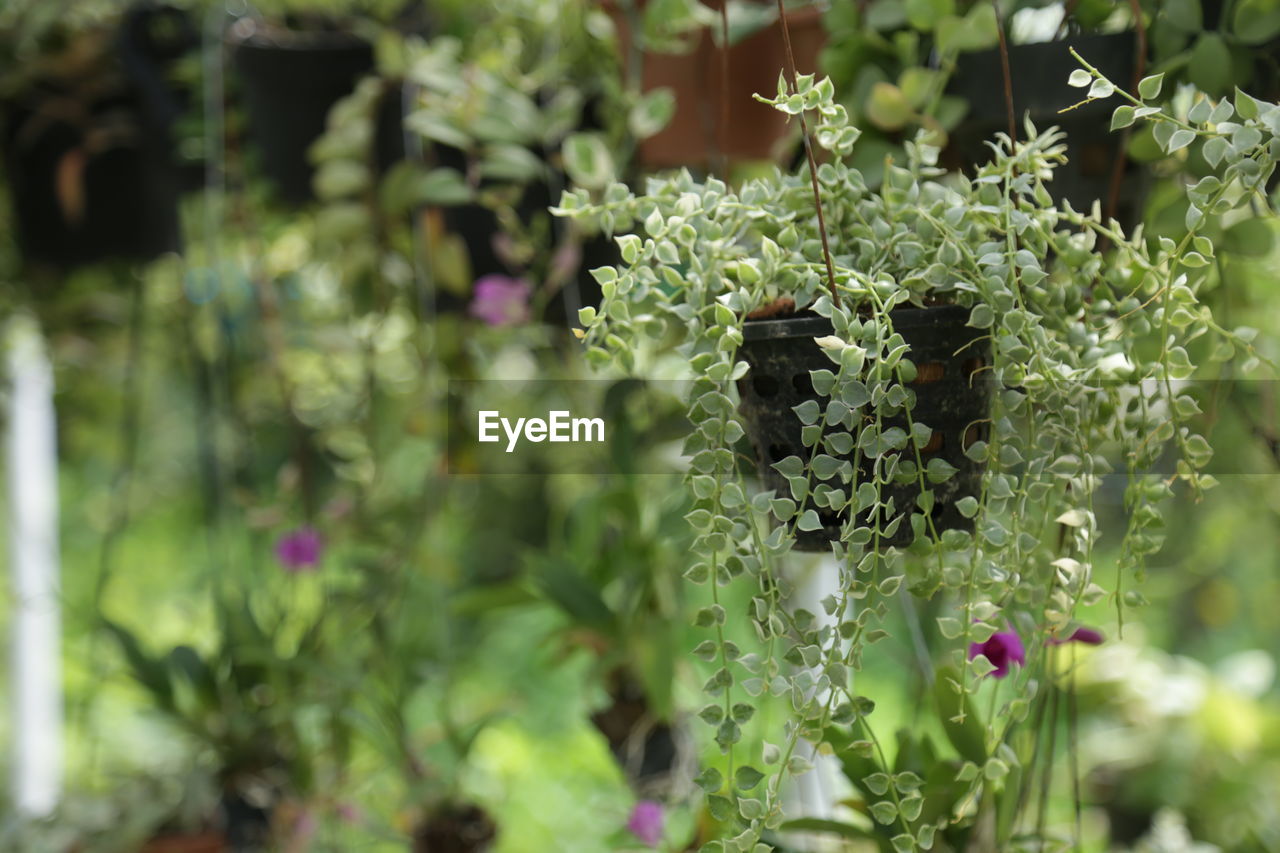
(1088, 331)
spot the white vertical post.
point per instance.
(816, 793)
(32, 468)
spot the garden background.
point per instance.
(271, 253)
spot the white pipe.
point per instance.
(32, 469)
(816, 793)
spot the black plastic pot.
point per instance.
(247, 826)
(455, 828)
(290, 81)
(949, 398)
(651, 761)
(477, 226)
(1038, 73)
(88, 155)
(388, 129)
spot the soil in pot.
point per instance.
(1038, 73)
(643, 745)
(693, 137)
(950, 399)
(290, 79)
(455, 828)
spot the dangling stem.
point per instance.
(723, 131)
(1008, 76)
(1073, 746)
(1139, 69)
(813, 164)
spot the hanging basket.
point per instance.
(86, 146)
(1039, 73)
(649, 750)
(290, 81)
(950, 399)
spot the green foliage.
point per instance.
(1214, 54)
(232, 700)
(1089, 331)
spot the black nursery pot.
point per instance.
(290, 82)
(477, 226)
(248, 826)
(650, 762)
(949, 398)
(88, 156)
(1038, 74)
(455, 828)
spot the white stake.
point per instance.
(32, 469)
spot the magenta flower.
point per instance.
(1088, 636)
(300, 550)
(500, 300)
(646, 822)
(1003, 648)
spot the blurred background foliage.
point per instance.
(517, 646)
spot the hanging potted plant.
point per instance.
(1072, 327)
(611, 567)
(681, 47)
(423, 667)
(239, 702)
(485, 160)
(86, 141)
(781, 313)
(294, 65)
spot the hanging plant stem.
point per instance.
(724, 91)
(1006, 74)
(813, 163)
(1139, 69)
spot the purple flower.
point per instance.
(1003, 648)
(646, 822)
(500, 300)
(1088, 636)
(300, 550)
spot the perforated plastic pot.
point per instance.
(950, 399)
